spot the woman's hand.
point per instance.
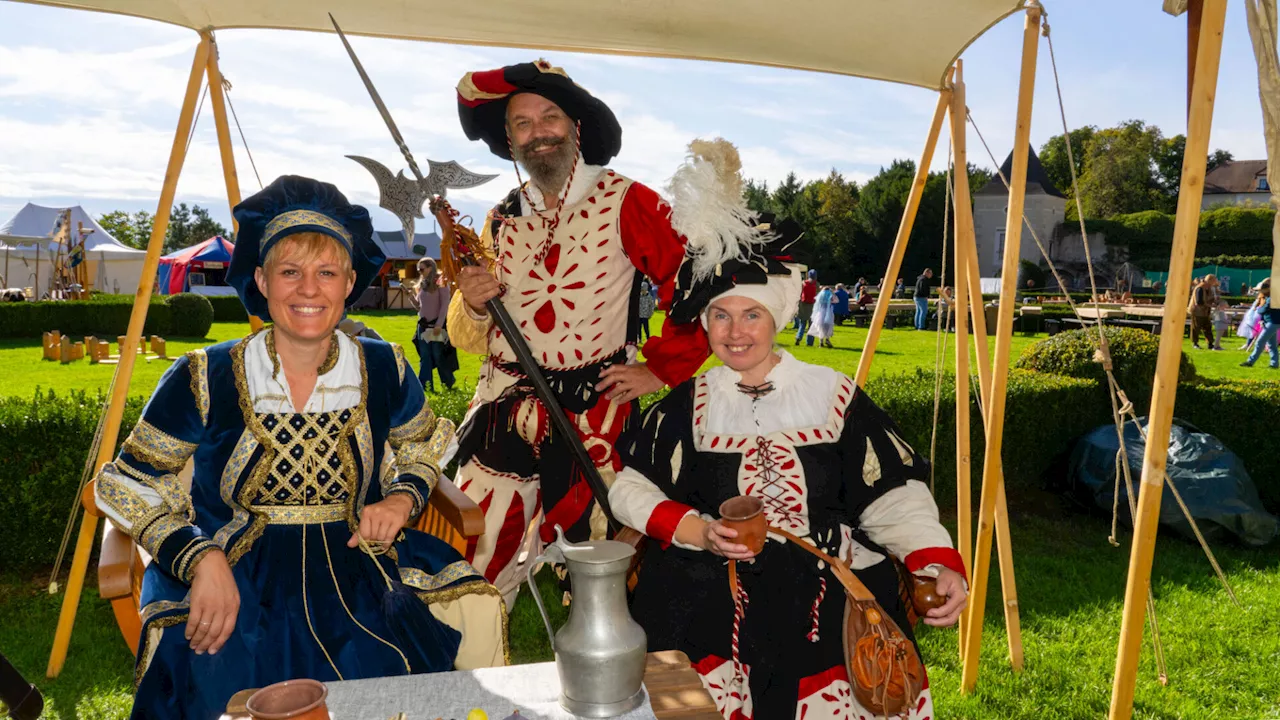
(215, 603)
(625, 383)
(712, 536)
(382, 521)
(477, 287)
(950, 586)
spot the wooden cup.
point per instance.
(290, 700)
(746, 515)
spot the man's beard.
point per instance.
(548, 171)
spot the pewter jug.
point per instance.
(600, 651)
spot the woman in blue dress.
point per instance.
(312, 453)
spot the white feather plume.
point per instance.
(708, 208)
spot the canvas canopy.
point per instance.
(210, 258)
(903, 41)
(113, 266)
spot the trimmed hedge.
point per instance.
(1244, 415)
(44, 441)
(228, 308)
(1223, 231)
(190, 315)
(106, 316)
(1133, 355)
(1243, 262)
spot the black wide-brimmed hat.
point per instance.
(483, 98)
(290, 205)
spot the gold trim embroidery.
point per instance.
(191, 557)
(199, 366)
(148, 649)
(155, 447)
(289, 222)
(401, 363)
(300, 514)
(416, 429)
(113, 489)
(236, 464)
(155, 608)
(331, 357)
(450, 574)
(478, 587)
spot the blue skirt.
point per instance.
(310, 607)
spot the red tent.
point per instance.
(210, 258)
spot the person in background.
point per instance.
(822, 323)
(921, 296)
(1220, 322)
(808, 294)
(945, 302)
(865, 298)
(1251, 325)
(1270, 325)
(1204, 297)
(841, 304)
(647, 304)
(900, 290)
(857, 287)
(434, 351)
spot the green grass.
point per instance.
(1223, 662)
(900, 350)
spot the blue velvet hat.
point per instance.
(293, 204)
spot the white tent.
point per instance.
(29, 253)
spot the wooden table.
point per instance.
(675, 692)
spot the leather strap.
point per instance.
(851, 583)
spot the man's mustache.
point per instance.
(539, 143)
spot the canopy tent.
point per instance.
(113, 266)
(209, 258)
(914, 42)
(903, 41)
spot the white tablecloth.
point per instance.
(534, 690)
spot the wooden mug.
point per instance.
(746, 515)
(290, 700)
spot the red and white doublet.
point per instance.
(571, 280)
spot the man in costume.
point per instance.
(572, 245)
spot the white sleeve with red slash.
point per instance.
(905, 522)
(638, 503)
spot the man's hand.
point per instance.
(477, 287)
(712, 536)
(950, 586)
(382, 521)
(625, 383)
(215, 603)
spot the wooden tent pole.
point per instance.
(904, 233)
(128, 354)
(964, 462)
(230, 177)
(966, 236)
(1195, 13)
(991, 465)
(1155, 457)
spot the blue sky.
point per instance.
(88, 103)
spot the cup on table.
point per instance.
(290, 700)
(746, 515)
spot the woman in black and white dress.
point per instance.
(830, 466)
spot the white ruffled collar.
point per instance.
(337, 388)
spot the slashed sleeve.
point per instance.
(885, 492)
(652, 454)
(656, 249)
(140, 491)
(417, 437)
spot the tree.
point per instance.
(189, 226)
(1120, 171)
(1168, 161)
(133, 230)
(1053, 156)
(757, 196)
(786, 195)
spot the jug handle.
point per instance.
(552, 553)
